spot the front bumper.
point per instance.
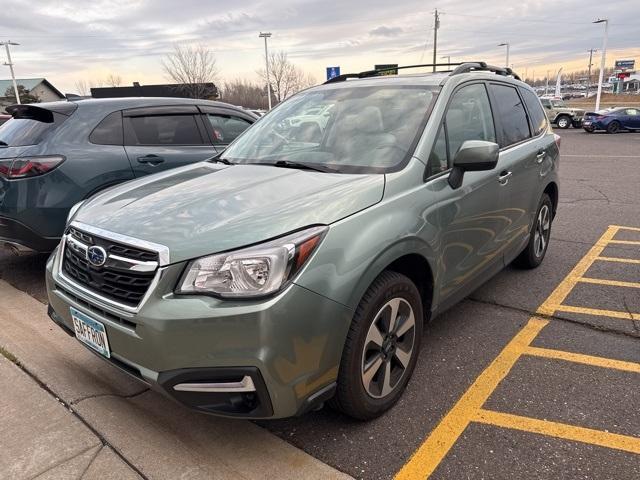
(22, 239)
(288, 345)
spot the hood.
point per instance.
(207, 208)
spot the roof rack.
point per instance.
(484, 67)
(464, 67)
(380, 71)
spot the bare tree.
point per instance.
(113, 80)
(193, 67)
(285, 77)
(244, 93)
(82, 87)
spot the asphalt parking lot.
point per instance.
(535, 375)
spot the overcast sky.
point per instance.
(66, 41)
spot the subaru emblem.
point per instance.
(97, 256)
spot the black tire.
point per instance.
(532, 256)
(613, 127)
(352, 397)
(589, 130)
(563, 121)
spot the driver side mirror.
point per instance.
(473, 156)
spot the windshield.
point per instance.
(350, 129)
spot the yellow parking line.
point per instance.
(583, 359)
(613, 283)
(597, 312)
(560, 430)
(625, 242)
(622, 227)
(429, 455)
(619, 260)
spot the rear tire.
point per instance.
(613, 127)
(533, 254)
(563, 121)
(381, 349)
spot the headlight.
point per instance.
(73, 211)
(252, 272)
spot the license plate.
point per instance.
(90, 332)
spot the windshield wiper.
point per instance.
(221, 160)
(3, 144)
(303, 166)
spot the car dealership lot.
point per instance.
(553, 351)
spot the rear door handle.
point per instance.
(504, 177)
(152, 160)
(540, 156)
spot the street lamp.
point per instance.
(10, 64)
(448, 57)
(602, 59)
(266, 35)
(505, 44)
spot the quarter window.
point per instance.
(514, 126)
(108, 131)
(536, 113)
(164, 130)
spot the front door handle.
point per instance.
(152, 160)
(504, 177)
(540, 156)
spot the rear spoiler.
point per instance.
(43, 112)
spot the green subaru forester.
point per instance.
(300, 265)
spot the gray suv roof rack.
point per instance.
(465, 67)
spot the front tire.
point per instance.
(381, 349)
(563, 121)
(535, 251)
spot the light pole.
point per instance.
(603, 59)
(506, 44)
(10, 63)
(448, 57)
(266, 35)
(591, 51)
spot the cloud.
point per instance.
(383, 31)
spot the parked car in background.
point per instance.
(53, 155)
(561, 115)
(4, 118)
(286, 273)
(613, 120)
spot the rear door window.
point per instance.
(20, 131)
(536, 113)
(163, 130)
(225, 128)
(513, 126)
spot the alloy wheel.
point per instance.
(542, 231)
(388, 348)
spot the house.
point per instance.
(39, 87)
(200, 90)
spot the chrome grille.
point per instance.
(126, 275)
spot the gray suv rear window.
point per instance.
(108, 131)
(19, 131)
(513, 125)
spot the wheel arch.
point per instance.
(552, 190)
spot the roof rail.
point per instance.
(380, 71)
(483, 67)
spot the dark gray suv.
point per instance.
(53, 155)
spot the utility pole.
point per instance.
(266, 35)
(591, 50)
(603, 59)
(10, 64)
(436, 26)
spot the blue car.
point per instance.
(612, 120)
